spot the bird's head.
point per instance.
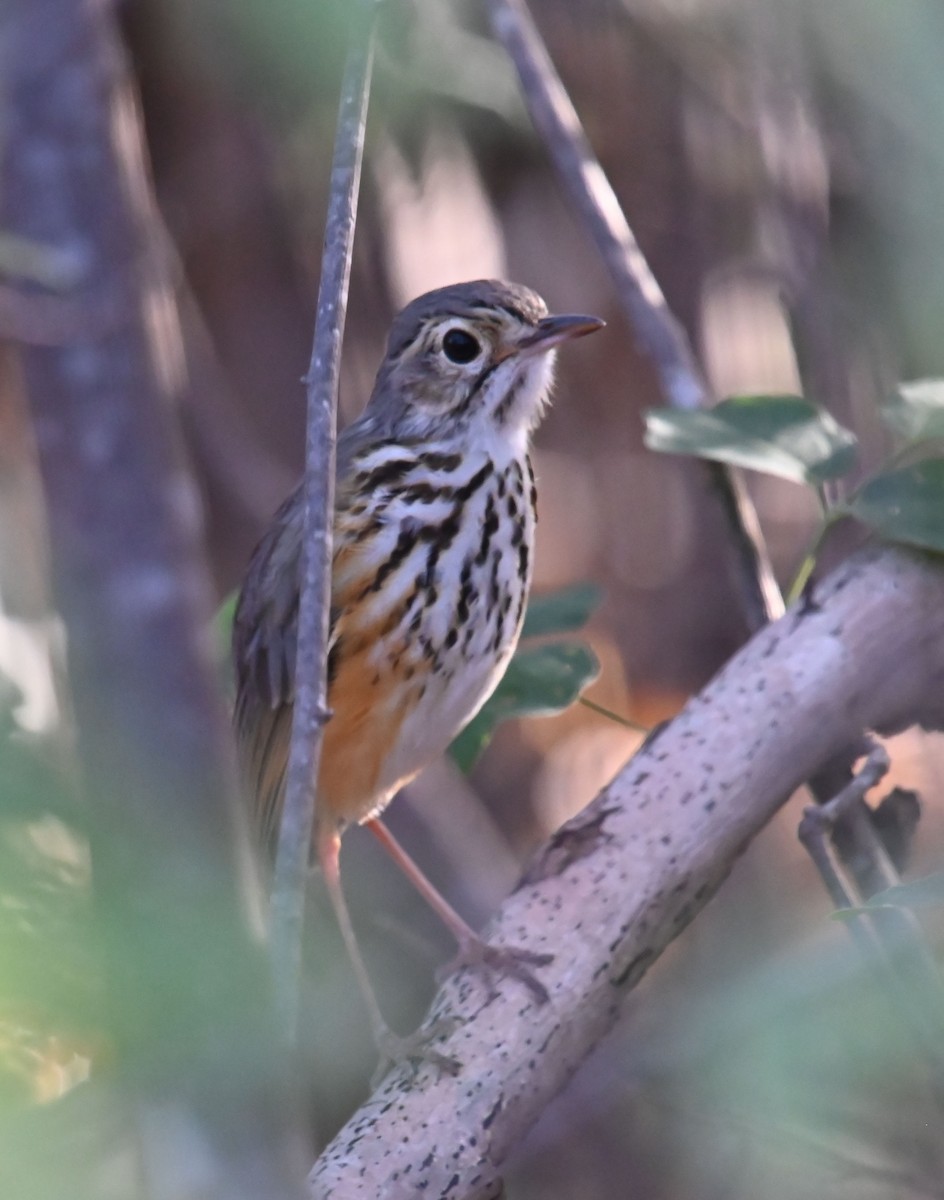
(474, 358)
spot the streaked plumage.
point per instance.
(433, 537)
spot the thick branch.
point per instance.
(663, 339)
(621, 880)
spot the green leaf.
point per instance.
(562, 611)
(539, 681)
(779, 435)
(916, 413)
(906, 505)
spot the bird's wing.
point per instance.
(264, 642)
(264, 631)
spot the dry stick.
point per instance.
(657, 331)
(886, 937)
(310, 711)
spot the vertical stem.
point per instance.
(310, 709)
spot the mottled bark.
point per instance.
(620, 881)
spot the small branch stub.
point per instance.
(819, 819)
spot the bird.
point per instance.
(433, 540)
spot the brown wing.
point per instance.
(264, 641)
(264, 630)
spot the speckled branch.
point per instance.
(613, 887)
(661, 337)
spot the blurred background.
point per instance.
(782, 165)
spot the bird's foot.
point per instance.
(413, 1049)
(497, 962)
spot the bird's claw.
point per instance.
(499, 961)
(413, 1049)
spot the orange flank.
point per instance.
(369, 698)
(367, 712)
(348, 555)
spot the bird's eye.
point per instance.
(460, 347)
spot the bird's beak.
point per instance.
(551, 331)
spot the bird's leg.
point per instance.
(474, 952)
(393, 1048)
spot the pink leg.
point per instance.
(461, 931)
(392, 1048)
(329, 852)
(473, 950)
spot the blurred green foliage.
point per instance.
(926, 891)
(50, 997)
(916, 412)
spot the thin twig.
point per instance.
(889, 938)
(310, 709)
(612, 716)
(657, 331)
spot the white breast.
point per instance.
(463, 588)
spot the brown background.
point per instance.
(781, 166)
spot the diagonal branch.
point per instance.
(310, 709)
(658, 333)
(621, 880)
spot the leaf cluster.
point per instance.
(794, 439)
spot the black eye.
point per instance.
(460, 347)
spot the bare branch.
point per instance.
(621, 880)
(657, 331)
(819, 819)
(310, 708)
(891, 939)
